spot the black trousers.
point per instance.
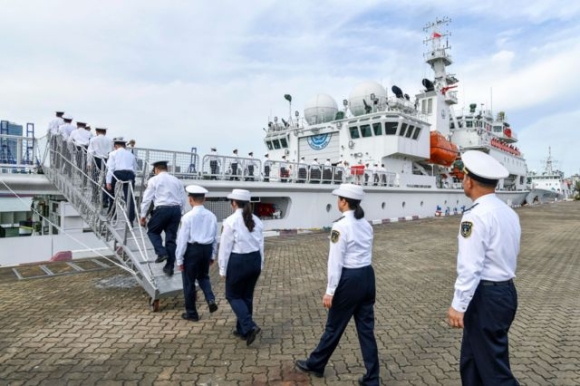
(196, 267)
(234, 172)
(125, 176)
(165, 219)
(266, 173)
(242, 275)
(354, 296)
(213, 165)
(98, 168)
(250, 173)
(484, 348)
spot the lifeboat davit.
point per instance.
(443, 152)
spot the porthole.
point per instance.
(328, 208)
(445, 202)
(383, 205)
(421, 203)
(403, 204)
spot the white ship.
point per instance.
(418, 142)
(547, 186)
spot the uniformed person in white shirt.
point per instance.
(315, 171)
(121, 166)
(64, 132)
(251, 166)
(350, 290)
(485, 299)
(213, 163)
(97, 154)
(78, 142)
(267, 167)
(196, 251)
(234, 166)
(167, 195)
(302, 171)
(284, 171)
(53, 133)
(241, 260)
(327, 172)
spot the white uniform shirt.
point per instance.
(163, 190)
(213, 156)
(327, 165)
(54, 125)
(120, 159)
(99, 146)
(489, 244)
(80, 137)
(199, 225)
(237, 238)
(65, 130)
(314, 165)
(351, 248)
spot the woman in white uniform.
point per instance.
(241, 260)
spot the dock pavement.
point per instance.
(95, 327)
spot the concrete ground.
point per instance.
(95, 328)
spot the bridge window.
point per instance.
(409, 131)
(354, 134)
(417, 132)
(276, 144)
(284, 143)
(469, 124)
(366, 131)
(391, 128)
(269, 144)
(378, 128)
(403, 129)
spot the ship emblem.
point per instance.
(466, 227)
(334, 236)
(319, 142)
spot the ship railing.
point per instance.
(82, 181)
(219, 167)
(19, 154)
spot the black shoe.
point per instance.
(213, 307)
(238, 334)
(187, 317)
(168, 271)
(251, 337)
(161, 259)
(302, 366)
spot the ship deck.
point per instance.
(95, 327)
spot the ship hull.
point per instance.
(541, 196)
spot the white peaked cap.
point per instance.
(483, 165)
(240, 194)
(352, 191)
(67, 116)
(195, 189)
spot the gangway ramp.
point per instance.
(84, 189)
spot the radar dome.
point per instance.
(320, 109)
(361, 94)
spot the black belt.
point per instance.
(496, 283)
(195, 244)
(167, 206)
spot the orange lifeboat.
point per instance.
(443, 152)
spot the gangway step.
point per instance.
(61, 268)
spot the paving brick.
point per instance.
(65, 330)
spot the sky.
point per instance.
(181, 74)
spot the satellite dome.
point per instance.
(320, 109)
(361, 94)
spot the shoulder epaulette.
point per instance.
(338, 219)
(471, 207)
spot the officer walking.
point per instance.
(251, 166)
(53, 133)
(97, 153)
(234, 166)
(485, 299)
(196, 251)
(351, 287)
(121, 167)
(241, 260)
(167, 195)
